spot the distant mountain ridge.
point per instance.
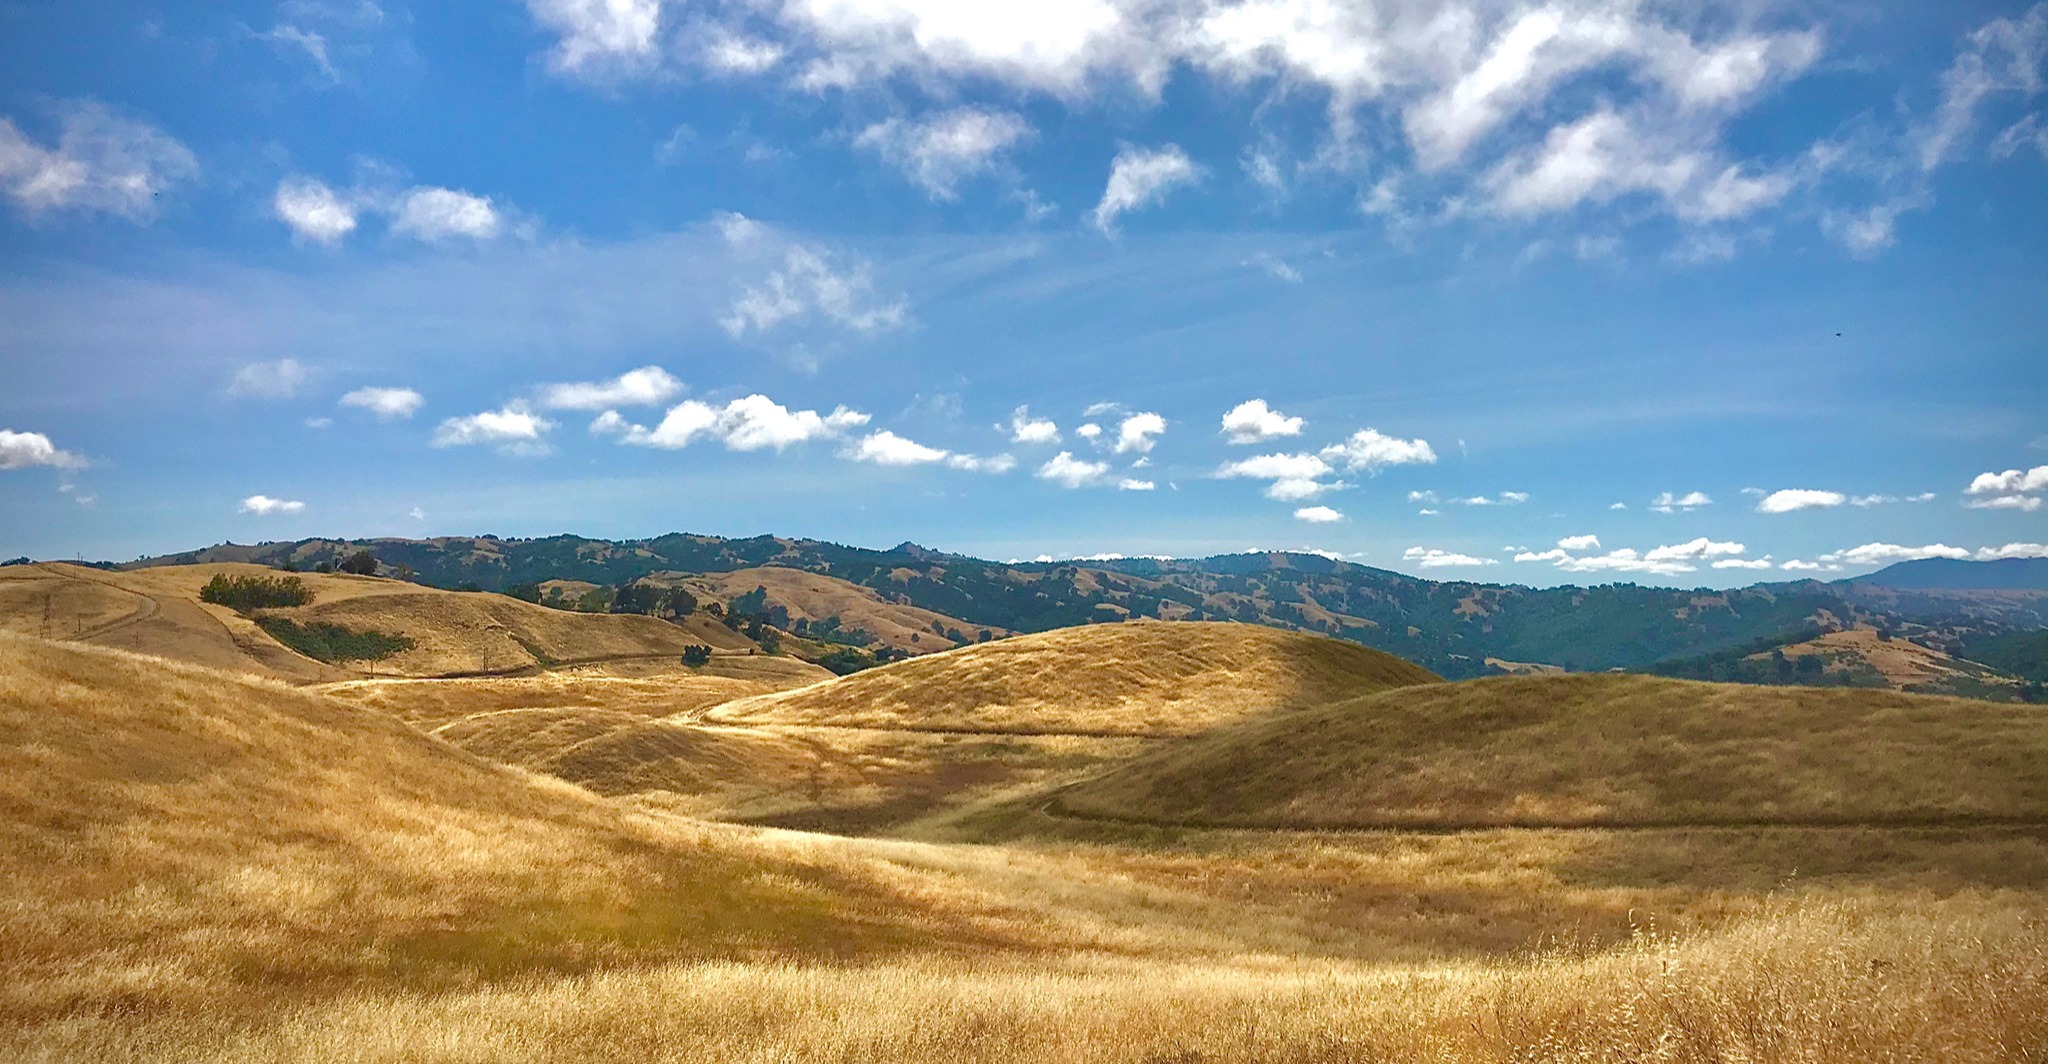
(1951, 574)
(1449, 627)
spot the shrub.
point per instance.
(245, 593)
(361, 563)
(697, 655)
(331, 642)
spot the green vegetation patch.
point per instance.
(331, 642)
(245, 593)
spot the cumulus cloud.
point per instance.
(1134, 484)
(2013, 550)
(1089, 431)
(752, 423)
(940, 151)
(1887, 553)
(264, 506)
(281, 379)
(1027, 429)
(437, 214)
(1743, 563)
(1789, 499)
(21, 450)
(645, 386)
(513, 429)
(1138, 432)
(1066, 470)
(1432, 558)
(1140, 178)
(313, 211)
(601, 38)
(1318, 515)
(1252, 421)
(887, 448)
(1505, 498)
(1369, 451)
(386, 404)
(2014, 489)
(1293, 476)
(1667, 503)
(807, 284)
(102, 163)
(1667, 560)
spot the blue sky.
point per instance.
(1576, 291)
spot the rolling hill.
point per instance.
(1450, 627)
(1123, 679)
(1612, 751)
(168, 831)
(158, 610)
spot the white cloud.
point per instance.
(1294, 476)
(1000, 463)
(101, 163)
(1505, 498)
(2002, 56)
(2023, 503)
(940, 151)
(1693, 550)
(1795, 565)
(387, 404)
(733, 53)
(1886, 553)
(807, 284)
(1252, 421)
(601, 37)
(1743, 563)
(1790, 499)
(1617, 506)
(1027, 429)
(21, 450)
(753, 423)
(313, 211)
(1318, 515)
(1368, 450)
(887, 448)
(1133, 484)
(1586, 542)
(1138, 432)
(319, 422)
(2013, 489)
(513, 429)
(281, 379)
(1668, 560)
(2013, 550)
(435, 214)
(645, 386)
(1139, 178)
(1274, 267)
(1667, 503)
(1089, 431)
(1102, 408)
(1432, 558)
(264, 506)
(1065, 469)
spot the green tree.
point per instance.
(361, 563)
(696, 655)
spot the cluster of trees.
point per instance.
(245, 593)
(333, 643)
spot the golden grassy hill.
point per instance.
(1596, 750)
(815, 596)
(158, 611)
(170, 832)
(429, 704)
(615, 753)
(1901, 665)
(1137, 678)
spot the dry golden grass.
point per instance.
(1596, 750)
(429, 704)
(1138, 678)
(157, 611)
(1902, 663)
(1805, 983)
(815, 596)
(174, 836)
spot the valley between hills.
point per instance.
(271, 815)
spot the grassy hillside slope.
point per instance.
(814, 597)
(168, 832)
(1139, 678)
(158, 611)
(1595, 750)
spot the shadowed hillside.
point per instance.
(1596, 750)
(1123, 679)
(169, 831)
